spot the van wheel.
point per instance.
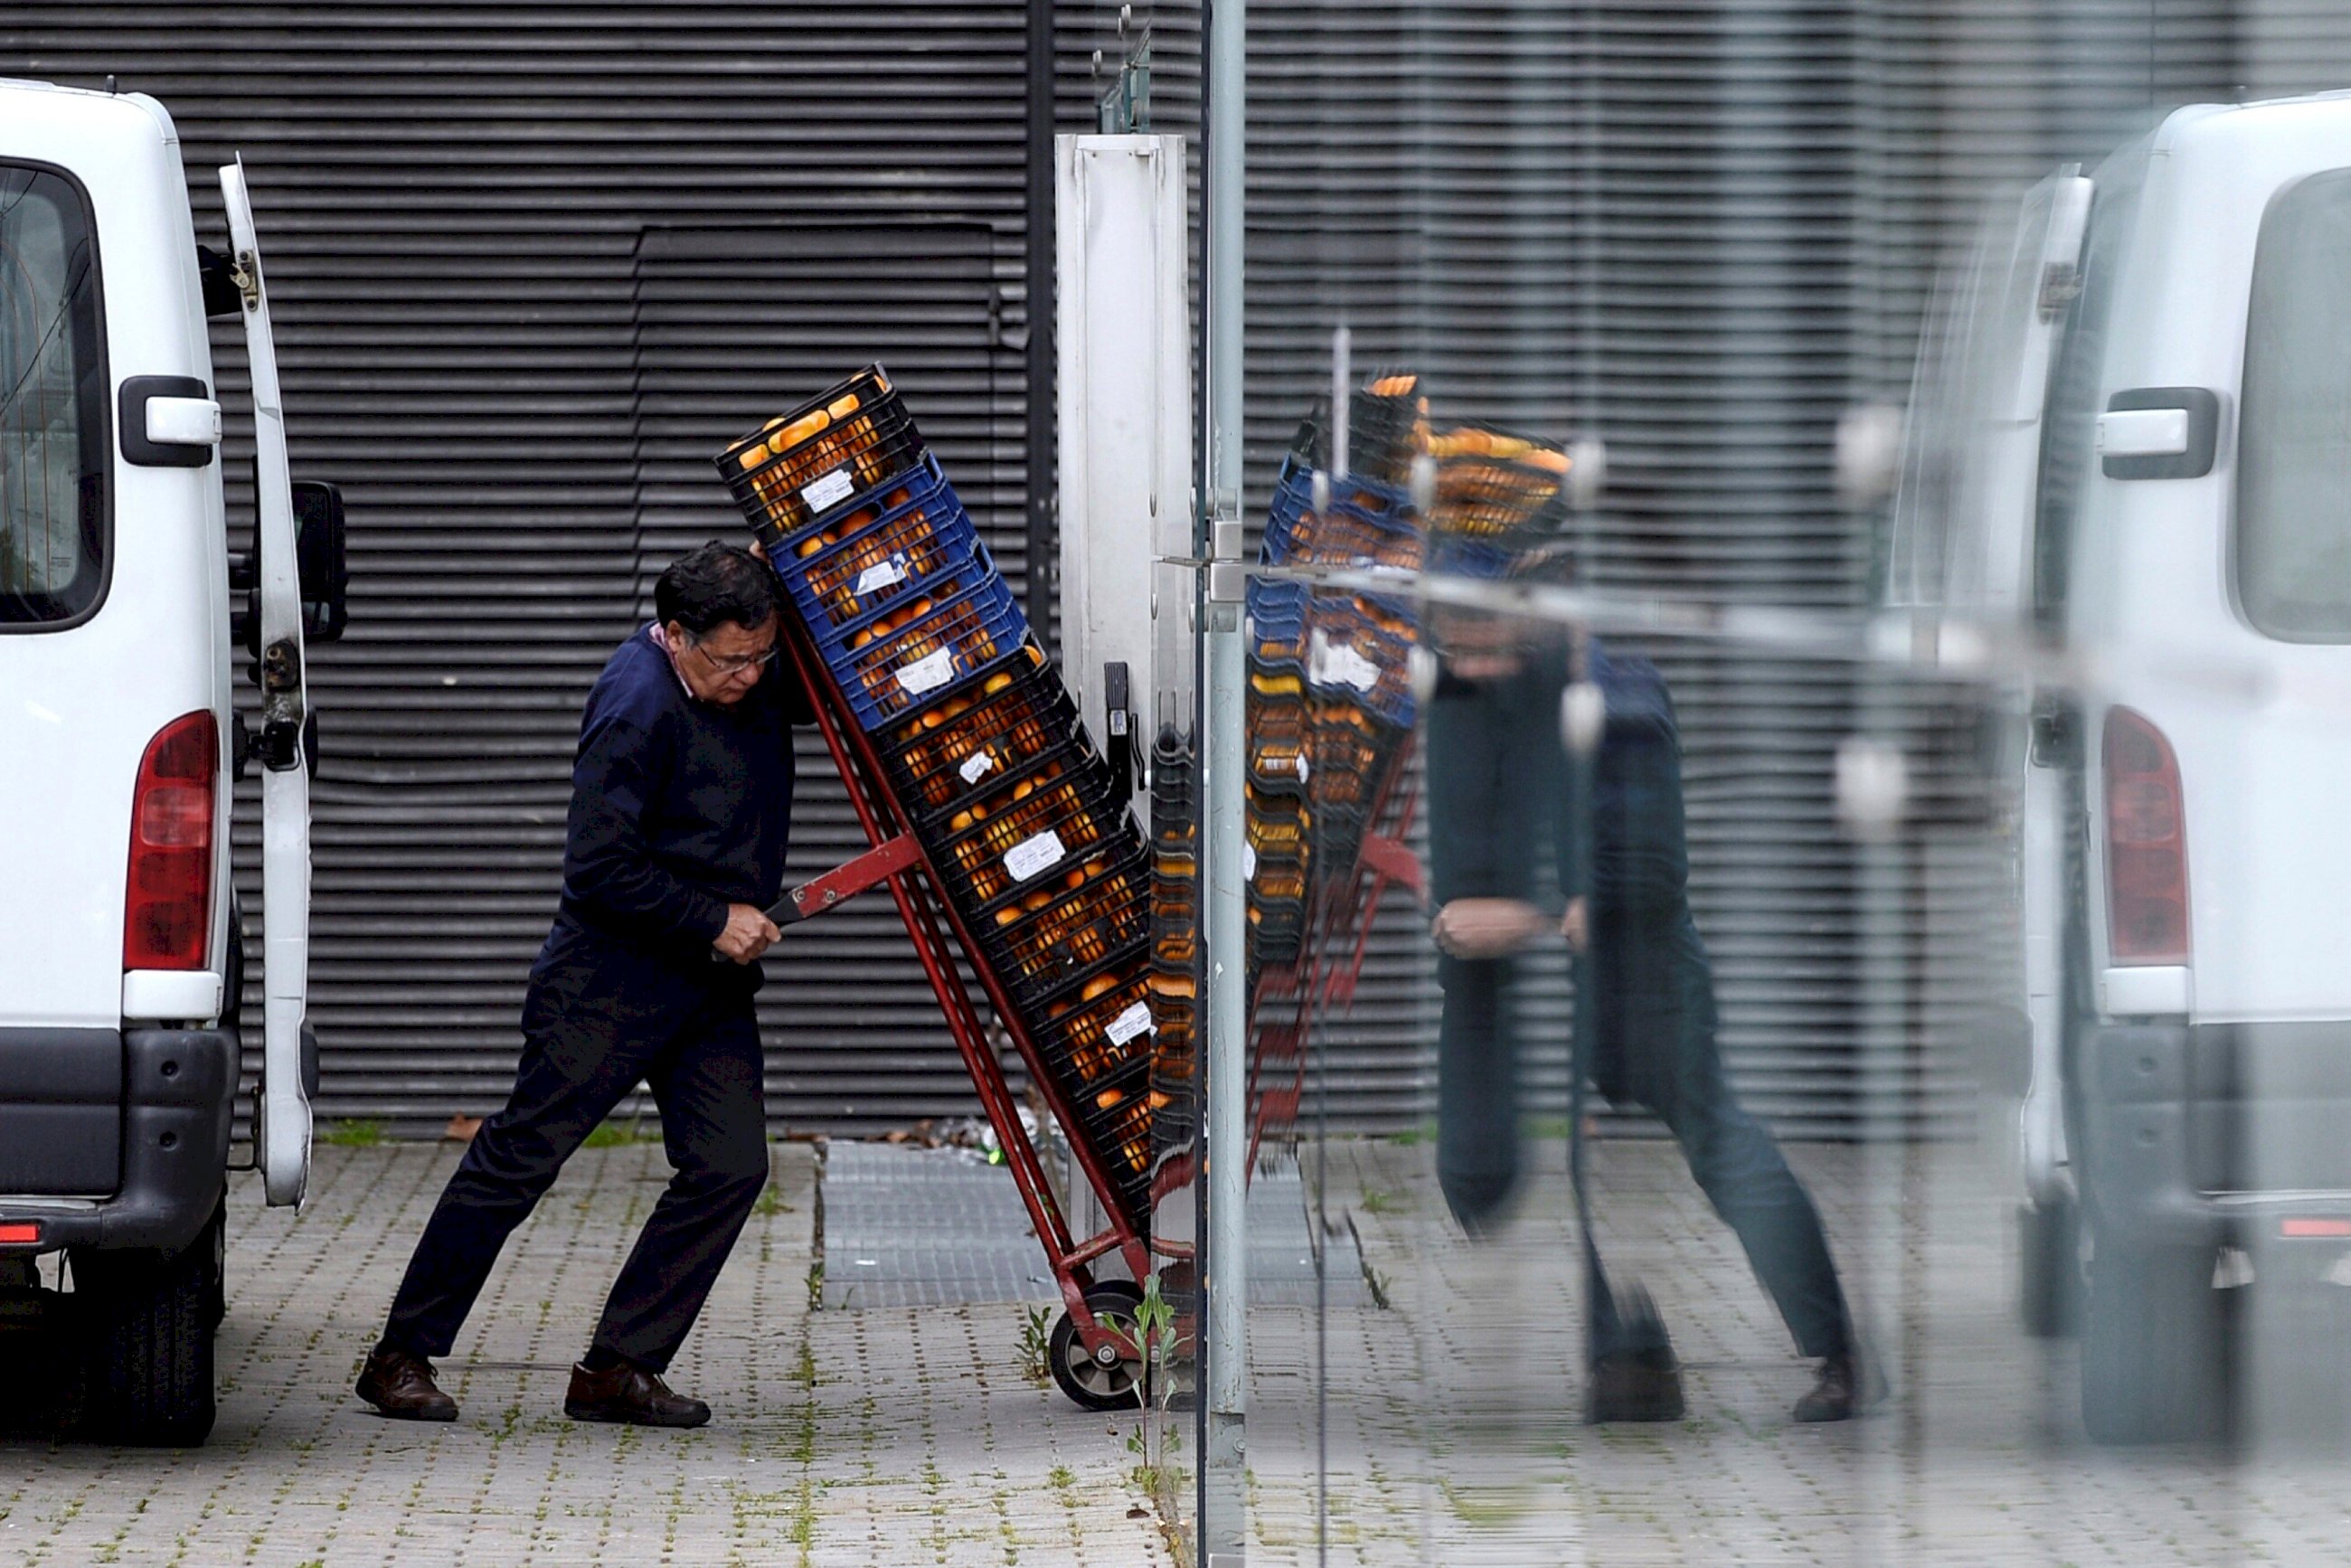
(146, 1370)
(2049, 1273)
(2153, 1354)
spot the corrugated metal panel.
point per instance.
(493, 335)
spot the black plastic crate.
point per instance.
(1035, 825)
(1037, 951)
(987, 730)
(1098, 1023)
(841, 444)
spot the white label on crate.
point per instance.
(1134, 1021)
(889, 574)
(828, 491)
(927, 673)
(1249, 860)
(978, 763)
(1338, 663)
(1029, 856)
(1303, 771)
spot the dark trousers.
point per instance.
(593, 1027)
(1649, 1040)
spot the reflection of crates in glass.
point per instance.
(1277, 623)
(1360, 650)
(1175, 909)
(1276, 910)
(929, 645)
(979, 734)
(1366, 523)
(1277, 749)
(1351, 753)
(803, 465)
(1037, 950)
(883, 552)
(1388, 426)
(1490, 482)
(1273, 719)
(1026, 830)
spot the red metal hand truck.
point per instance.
(1096, 1363)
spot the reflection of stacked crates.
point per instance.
(1496, 502)
(1014, 807)
(1174, 937)
(1330, 705)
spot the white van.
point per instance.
(119, 952)
(2135, 443)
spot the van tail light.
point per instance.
(2146, 845)
(167, 909)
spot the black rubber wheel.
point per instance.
(147, 1320)
(2049, 1275)
(1091, 1384)
(2154, 1359)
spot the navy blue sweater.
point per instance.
(679, 808)
(1498, 782)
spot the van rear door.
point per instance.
(283, 1132)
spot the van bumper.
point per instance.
(172, 1098)
(2201, 1133)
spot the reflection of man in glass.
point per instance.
(1498, 783)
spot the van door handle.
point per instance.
(167, 421)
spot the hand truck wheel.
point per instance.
(1093, 1383)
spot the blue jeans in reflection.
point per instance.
(1649, 1040)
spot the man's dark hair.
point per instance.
(714, 584)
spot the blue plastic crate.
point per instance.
(886, 669)
(1354, 658)
(882, 555)
(1277, 613)
(1367, 523)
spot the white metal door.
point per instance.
(283, 1131)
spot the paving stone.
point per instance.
(883, 1436)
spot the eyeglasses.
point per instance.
(733, 664)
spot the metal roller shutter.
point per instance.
(472, 220)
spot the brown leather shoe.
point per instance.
(631, 1395)
(400, 1386)
(1849, 1385)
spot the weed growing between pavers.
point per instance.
(1037, 1344)
(353, 1134)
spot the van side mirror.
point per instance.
(320, 559)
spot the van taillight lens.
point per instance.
(167, 910)
(2146, 845)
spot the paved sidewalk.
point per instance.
(887, 1436)
(1452, 1437)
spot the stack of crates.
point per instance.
(1013, 806)
(1174, 938)
(1497, 503)
(1330, 705)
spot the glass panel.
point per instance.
(2293, 553)
(53, 450)
(1772, 1037)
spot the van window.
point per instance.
(53, 432)
(2293, 544)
